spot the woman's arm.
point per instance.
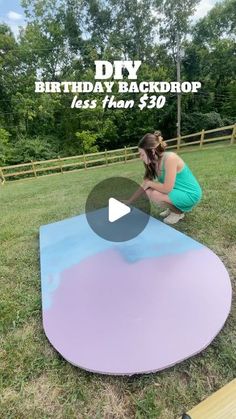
(166, 187)
(170, 175)
(135, 196)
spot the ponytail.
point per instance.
(154, 146)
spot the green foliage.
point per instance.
(133, 30)
(5, 147)
(27, 149)
(108, 133)
(197, 121)
(174, 22)
(220, 22)
(63, 38)
(86, 142)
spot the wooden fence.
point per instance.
(105, 158)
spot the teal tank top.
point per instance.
(186, 192)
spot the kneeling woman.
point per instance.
(177, 188)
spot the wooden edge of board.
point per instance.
(219, 405)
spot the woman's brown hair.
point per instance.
(154, 146)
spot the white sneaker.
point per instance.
(165, 213)
(173, 218)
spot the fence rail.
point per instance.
(104, 158)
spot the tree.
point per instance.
(134, 27)
(9, 61)
(210, 57)
(45, 36)
(61, 41)
(5, 147)
(87, 141)
(174, 21)
(220, 23)
(173, 29)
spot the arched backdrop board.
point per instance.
(132, 307)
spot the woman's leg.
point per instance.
(161, 199)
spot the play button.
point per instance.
(109, 214)
(116, 210)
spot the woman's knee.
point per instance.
(155, 196)
(149, 193)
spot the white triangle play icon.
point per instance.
(116, 210)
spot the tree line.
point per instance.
(61, 41)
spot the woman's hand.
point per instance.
(146, 184)
(126, 201)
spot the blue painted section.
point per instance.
(68, 242)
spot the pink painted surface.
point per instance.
(116, 317)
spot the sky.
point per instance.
(12, 13)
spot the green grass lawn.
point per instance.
(35, 382)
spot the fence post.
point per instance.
(202, 138)
(125, 155)
(178, 142)
(33, 167)
(2, 176)
(85, 163)
(106, 157)
(59, 160)
(233, 135)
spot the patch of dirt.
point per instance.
(111, 403)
